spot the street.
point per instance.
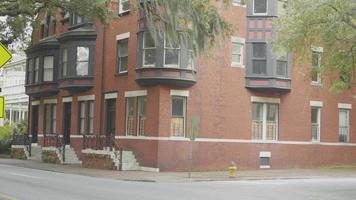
(31, 184)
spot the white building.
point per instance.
(12, 83)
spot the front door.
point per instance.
(110, 117)
(34, 124)
(67, 122)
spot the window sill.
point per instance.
(124, 13)
(236, 65)
(121, 74)
(265, 167)
(240, 5)
(317, 84)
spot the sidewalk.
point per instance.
(329, 172)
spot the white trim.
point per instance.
(121, 11)
(40, 135)
(49, 148)
(35, 103)
(86, 98)
(112, 95)
(67, 99)
(149, 169)
(241, 41)
(123, 36)
(316, 103)
(265, 167)
(76, 136)
(183, 93)
(265, 154)
(18, 146)
(344, 106)
(152, 138)
(240, 141)
(265, 100)
(136, 93)
(50, 101)
(317, 49)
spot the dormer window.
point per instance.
(124, 6)
(76, 19)
(48, 27)
(260, 7)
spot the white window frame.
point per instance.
(240, 41)
(119, 56)
(47, 68)
(318, 122)
(181, 94)
(171, 48)
(347, 121)
(82, 61)
(121, 11)
(253, 9)
(147, 48)
(264, 120)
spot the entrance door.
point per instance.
(110, 117)
(67, 121)
(34, 124)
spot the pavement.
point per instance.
(18, 181)
(174, 177)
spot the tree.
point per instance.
(18, 16)
(198, 20)
(330, 24)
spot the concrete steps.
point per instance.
(36, 152)
(70, 156)
(129, 162)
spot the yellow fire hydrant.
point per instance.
(232, 170)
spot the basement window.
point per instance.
(265, 157)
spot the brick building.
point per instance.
(97, 87)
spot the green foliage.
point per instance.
(5, 133)
(23, 14)
(330, 24)
(198, 22)
(21, 128)
(18, 153)
(50, 157)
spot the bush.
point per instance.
(5, 138)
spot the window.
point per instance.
(130, 118)
(30, 71)
(50, 119)
(264, 121)
(315, 123)
(82, 61)
(171, 54)
(178, 116)
(316, 61)
(136, 115)
(260, 7)
(149, 50)
(122, 55)
(48, 68)
(36, 71)
(343, 125)
(191, 60)
(48, 28)
(76, 19)
(86, 117)
(141, 104)
(124, 6)
(259, 62)
(64, 62)
(237, 55)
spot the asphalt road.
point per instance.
(17, 183)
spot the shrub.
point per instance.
(5, 138)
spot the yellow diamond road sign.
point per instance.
(5, 55)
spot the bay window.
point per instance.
(171, 54)
(149, 50)
(82, 67)
(259, 58)
(48, 68)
